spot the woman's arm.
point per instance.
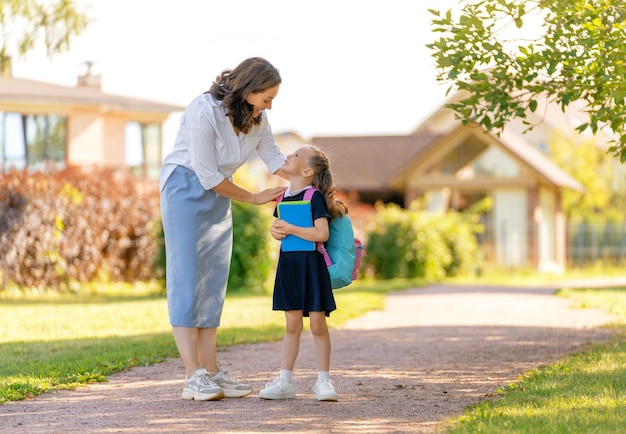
(232, 191)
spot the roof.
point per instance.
(374, 163)
(538, 162)
(21, 91)
(369, 163)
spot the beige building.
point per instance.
(451, 166)
(42, 123)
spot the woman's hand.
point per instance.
(227, 189)
(267, 195)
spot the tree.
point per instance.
(23, 23)
(573, 50)
(601, 177)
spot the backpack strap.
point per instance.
(308, 195)
(309, 192)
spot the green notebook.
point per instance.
(297, 212)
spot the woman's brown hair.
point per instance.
(233, 86)
(323, 181)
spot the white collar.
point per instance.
(289, 193)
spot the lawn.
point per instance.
(51, 341)
(583, 393)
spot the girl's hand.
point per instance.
(278, 229)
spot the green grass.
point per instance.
(54, 341)
(583, 393)
(50, 341)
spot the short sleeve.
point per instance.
(318, 206)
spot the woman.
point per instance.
(218, 132)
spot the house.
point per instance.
(451, 166)
(44, 123)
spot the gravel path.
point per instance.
(428, 355)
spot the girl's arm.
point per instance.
(317, 233)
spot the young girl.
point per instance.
(302, 286)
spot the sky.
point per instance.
(348, 67)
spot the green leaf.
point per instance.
(619, 95)
(434, 12)
(576, 55)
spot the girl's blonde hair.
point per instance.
(323, 181)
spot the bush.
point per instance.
(252, 259)
(414, 243)
(67, 226)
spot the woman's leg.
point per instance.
(319, 330)
(192, 343)
(186, 339)
(207, 343)
(291, 341)
(196, 347)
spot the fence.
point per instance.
(588, 244)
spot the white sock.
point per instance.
(323, 375)
(285, 375)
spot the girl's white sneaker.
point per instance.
(325, 390)
(278, 389)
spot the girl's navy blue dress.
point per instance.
(302, 279)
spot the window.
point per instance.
(30, 140)
(473, 159)
(143, 149)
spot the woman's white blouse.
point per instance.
(207, 144)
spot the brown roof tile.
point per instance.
(368, 163)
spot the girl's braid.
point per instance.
(323, 181)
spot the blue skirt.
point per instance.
(198, 246)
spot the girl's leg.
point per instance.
(324, 387)
(319, 330)
(282, 387)
(291, 341)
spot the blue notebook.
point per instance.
(297, 212)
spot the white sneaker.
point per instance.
(201, 387)
(278, 389)
(231, 388)
(325, 390)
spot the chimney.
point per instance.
(89, 79)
